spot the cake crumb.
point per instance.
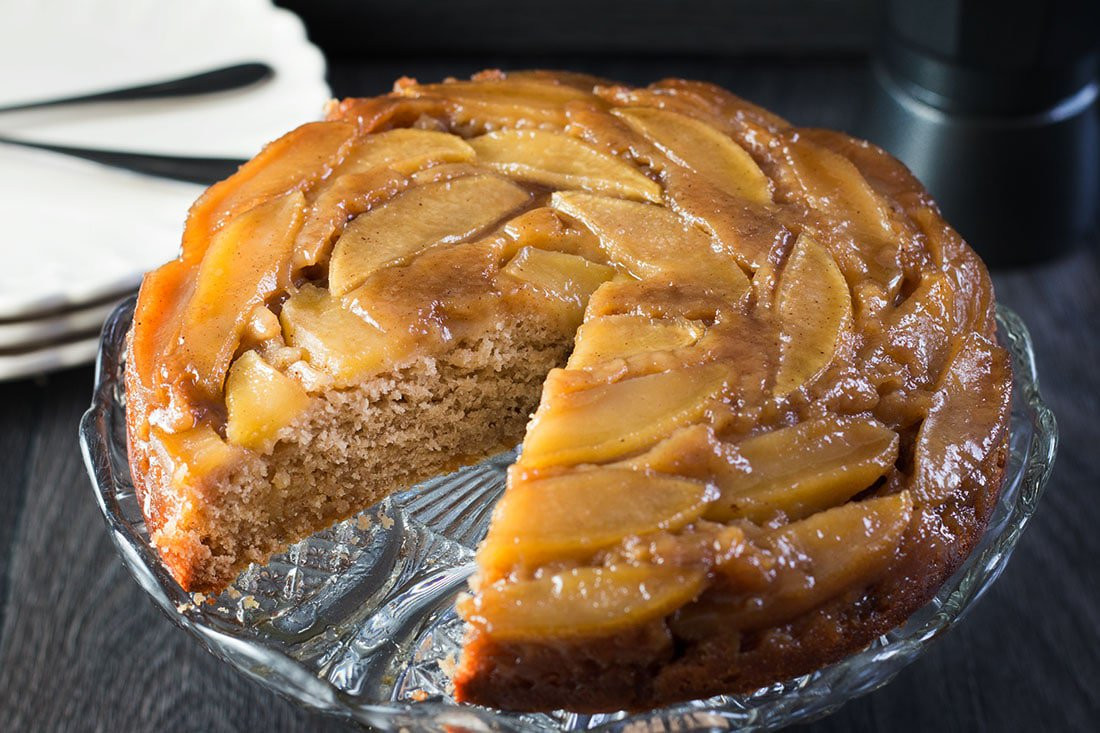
(448, 664)
(249, 603)
(232, 592)
(198, 599)
(353, 446)
(419, 695)
(280, 480)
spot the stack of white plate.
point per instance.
(40, 342)
(76, 237)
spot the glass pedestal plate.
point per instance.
(358, 620)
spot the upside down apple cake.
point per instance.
(769, 412)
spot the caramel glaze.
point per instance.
(886, 238)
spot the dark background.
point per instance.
(607, 28)
(82, 648)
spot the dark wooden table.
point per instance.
(82, 648)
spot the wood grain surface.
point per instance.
(83, 649)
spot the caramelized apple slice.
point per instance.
(648, 240)
(246, 261)
(814, 307)
(196, 454)
(918, 332)
(445, 172)
(605, 422)
(336, 340)
(431, 214)
(489, 104)
(749, 124)
(261, 401)
(613, 136)
(406, 303)
(372, 172)
(705, 150)
(745, 230)
(583, 602)
(614, 337)
(693, 452)
(974, 306)
(567, 279)
(577, 513)
(544, 229)
(560, 161)
(656, 299)
(831, 183)
(575, 79)
(804, 469)
(161, 300)
(406, 150)
(825, 555)
(966, 421)
(294, 162)
(346, 197)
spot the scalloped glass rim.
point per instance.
(404, 688)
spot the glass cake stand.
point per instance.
(358, 620)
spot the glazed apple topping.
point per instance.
(607, 421)
(565, 279)
(333, 338)
(582, 602)
(576, 513)
(814, 306)
(803, 469)
(247, 262)
(428, 215)
(605, 338)
(652, 242)
(702, 148)
(558, 161)
(824, 555)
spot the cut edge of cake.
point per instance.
(350, 449)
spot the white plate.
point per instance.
(48, 359)
(76, 231)
(56, 326)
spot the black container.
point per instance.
(994, 107)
